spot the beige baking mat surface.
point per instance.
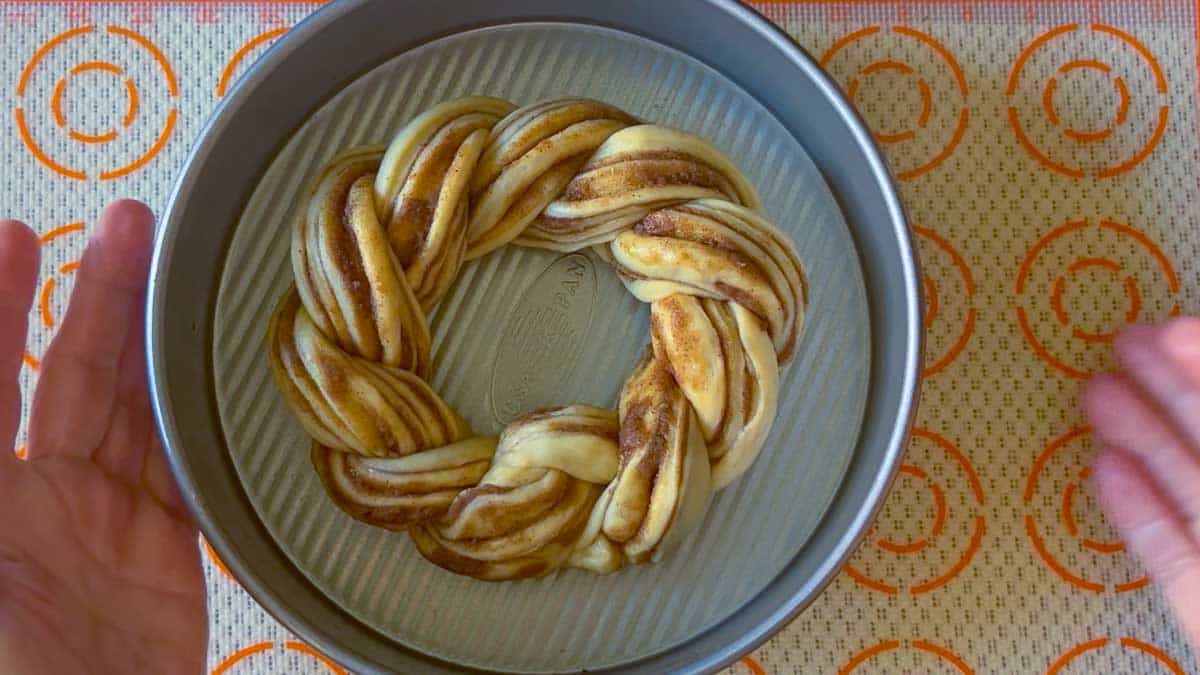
(1048, 157)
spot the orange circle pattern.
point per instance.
(216, 561)
(928, 100)
(45, 296)
(933, 302)
(1067, 519)
(133, 102)
(227, 73)
(925, 646)
(939, 516)
(1132, 239)
(89, 66)
(245, 653)
(752, 665)
(941, 510)
(1087, 137)
(1126, 643)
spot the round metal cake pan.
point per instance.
(305, 74)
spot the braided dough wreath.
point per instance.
(383, 237)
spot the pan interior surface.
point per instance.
(502, 347)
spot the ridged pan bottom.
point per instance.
(501, 348)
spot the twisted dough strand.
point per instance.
(382, 239)
(532, 156)
(351, 404)
(421, 190)
(635, 172)
(348, 276)
(529, 513)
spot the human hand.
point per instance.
(1146, 422)
(99, 564)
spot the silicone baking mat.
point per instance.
(1048, 156)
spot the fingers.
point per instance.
(1165, 362)
(1150, 488)
(77, 390)
(19, 252)
(131, 431)
(1153, 531)
(158, 480)
(131, 450)
(1122, 419)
